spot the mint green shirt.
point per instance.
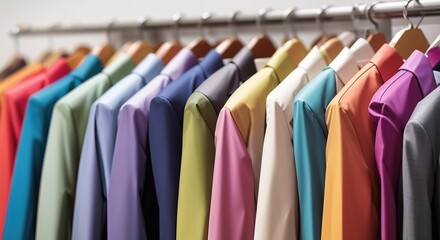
(64, 144)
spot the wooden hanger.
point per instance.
(231, 46)
(261, 46)
(347, 38)
(168, 50)
(375, 39)
(138, 50)
(200, 47)
(77, 56)
(332, 47)
(104, 52)
(318, 42)
(435, 43)
(409, 39)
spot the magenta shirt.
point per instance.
(390, 108)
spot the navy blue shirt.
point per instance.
(165, 138)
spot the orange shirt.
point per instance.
(352, 190)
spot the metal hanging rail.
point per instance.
(379, 10)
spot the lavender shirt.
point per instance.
(132, 204)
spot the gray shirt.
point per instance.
(421, 171)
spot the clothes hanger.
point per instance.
(200, 47)
(435, 43)
(409, 39)
(292, 45)
(324, 37)
(261, 46)
(54, 55)
(138, 50)
(17, 59)
(104, 52)
(169, 49)
(376, 39)
(77, 56)
(231, 46)
(332, 46)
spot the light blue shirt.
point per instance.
(23, 198)
(90, 213)
(310, 137)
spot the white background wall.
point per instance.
(47, 12)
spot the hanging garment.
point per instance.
(13, 67)
(22, 206)
(90, 212)
(198, 147)
(13, 105)
(352, 195)
(18, 77)
(390, 108)
(132, 204)
(277, 206)
(310, 133)
(64, 143)
(421, 170)
(239, 140)
(165, 136)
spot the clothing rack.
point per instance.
(328, 13)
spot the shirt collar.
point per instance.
(183, 61)
(211, 62)
(420, 66)
(244, 60)
(58, 70)
(144, 68)
(434, 56)
(119, 67)
(313, 63)
(281, 64)
(87, 66)
(387, 60)
(349, 61)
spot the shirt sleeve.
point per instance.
(128, 177)
(198, 153)
(349, 210)
(277, 208)
(419, 167)
(22, 207)
(57, 189)
(165, 135)
(232, 213)
(388, 153)
(89, 211)
(310, 142)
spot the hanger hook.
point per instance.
(109, 31)
(177, 17)
(142, 23)
(205, 16)
(354, 18)
(289, 21)
(320, 15)
(369, 11)
(16, 30)
(50, 38)
(261, 19)
(405, 13)
(232, 22)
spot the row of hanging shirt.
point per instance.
(180, 148)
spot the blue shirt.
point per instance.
(23, 198)
(90, 212)
(165, 137)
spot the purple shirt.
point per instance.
(390, 108)
(132, 204)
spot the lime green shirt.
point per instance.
(64, 143)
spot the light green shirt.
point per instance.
(64, 143)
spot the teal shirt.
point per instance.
(22, 206)
(64, 143)
(310, 138)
